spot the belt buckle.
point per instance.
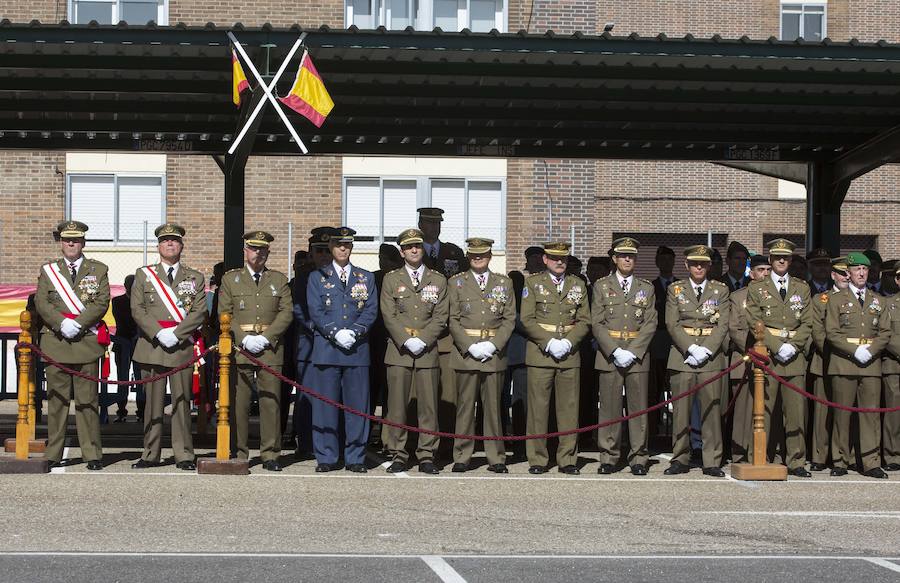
(485, 334)
(559, 329)
(257, 328)
(785, 333)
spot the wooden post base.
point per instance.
(232, 467)
(758, 473)
(34, 445)
(35, 465)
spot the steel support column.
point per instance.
(824, 197)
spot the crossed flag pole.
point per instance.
(267, 90)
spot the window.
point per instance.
(116, 206)
(112, 11)
(380, 208)
(450, 15)
(803, 20)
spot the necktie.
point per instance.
(699, 292)
(344, 277)
(625, 286)
(415, 279)
(782, 291)
(558, 283)
(861, 297)
(256, 278)
(171, 279)
(72, 271)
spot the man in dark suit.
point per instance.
(819, 263)
(659, 347)
(736, 277)
(343, 303)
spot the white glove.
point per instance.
(551, 347)
(345, 338)
(786, 352)
(699, 353)
(623, 358)
(558, 348)
(253, 343)
(415, 345)
(567, 346)
(69, 328)
(692, 361)
(167, 337)
(264, 342)
(862, 354)
(476, 351)
(488, 348)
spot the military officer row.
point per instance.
(476, 310)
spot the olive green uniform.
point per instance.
(478, 315)
(741, 339)
(627, 321)
(703, 322)
(787, 321)
(408, 312)
(890, 369)
(848, 326)
(546, 314)
(257, 309)
(81, 353)
(148, 310)
(822, 414)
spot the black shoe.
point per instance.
(838, 472)
(120, 419)
(570, 470)
(95, 465)
(498, 468)
(272, 465)
(142, 463)
(714, 472)
(322, 468)
(396, 467)
(537, 470)
(459, 468)
(428, 468)
(356, 468)
(639, 470)
(303, 455)
(606, 469)
(186, 465)
(876, 473)
(675, 468)
(816, 467)
(54, 464)
(892, 467)
(800, 472)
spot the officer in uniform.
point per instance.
(782, 304)
(320, 256)
(168, 303)
(697, 312)
(822, 414)
(414, 307)
(448, 260)
(259, 301)
(819, 263)
(556, 318)
(736, 257)
(890, 368)
(482, 319)
(858, 328)
(72, 297)
(742, 339)
(623, 319)
(343, 303)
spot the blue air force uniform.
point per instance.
(338, 373)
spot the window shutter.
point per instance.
(486, 211)
(92, 201)
(140, 199)
(450, 195)
(399, 207)
(363, 210)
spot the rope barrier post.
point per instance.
(22, 464)
(223, 464)
(759, 469)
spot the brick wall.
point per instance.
(32, 202)
(279, 13)
(758, 19)
(47, 11)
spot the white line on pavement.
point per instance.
(886, 564)
(442, 569)
(807, 513)
(744, 483)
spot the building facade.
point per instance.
(518, 202)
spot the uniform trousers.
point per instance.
(609, 438)
(154, 413)
(864, 392)
(543, 382)
(823, 419)
(350, 386)
(473, 386)
(742, 424)
(60, 389)
(709, 399)
(405, 386)
(793, 413)
(302, 418)
(269, 391)
(891, 430)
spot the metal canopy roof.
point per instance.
(434, 93)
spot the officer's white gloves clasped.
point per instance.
(558, 348)
(700, 354)
(255, 343)
(623, 358)
(345, 338)
(415, 345)
(167, 337)
(786, 352)
(862, 354)
(69, 328)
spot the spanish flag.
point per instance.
(308, 96)
(239, 81)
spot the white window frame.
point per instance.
(804, 4)
(423, 199)
(423, 14)
(162, 11)
(116, 241)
